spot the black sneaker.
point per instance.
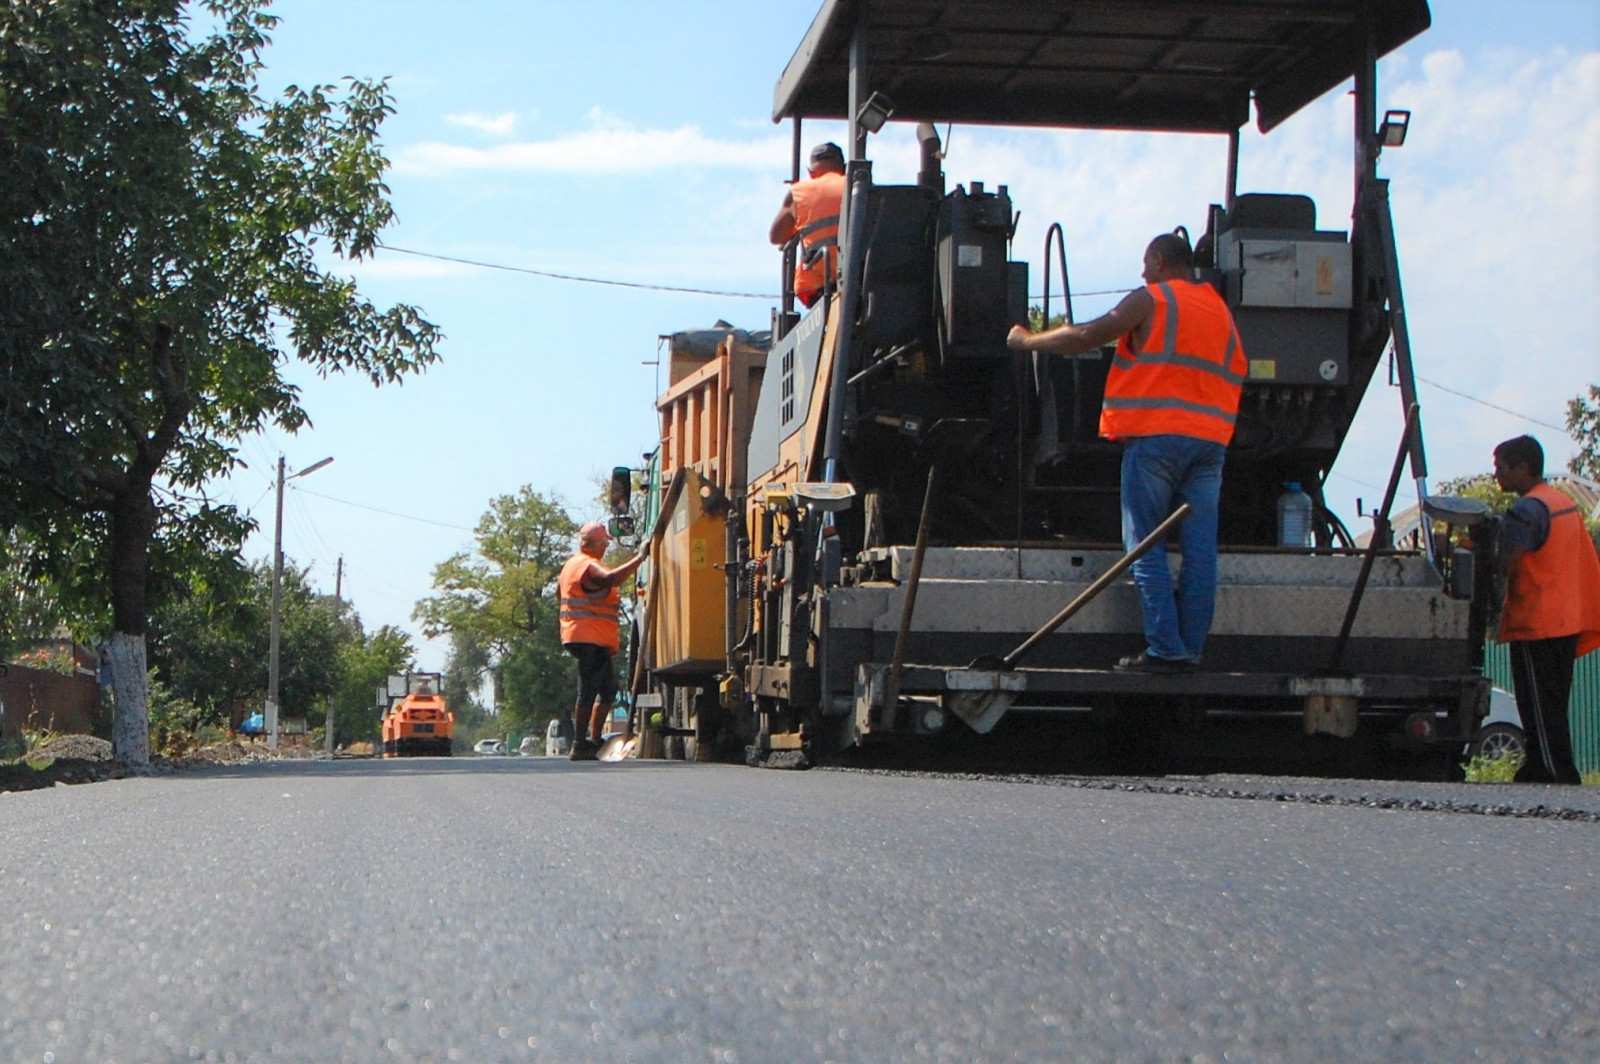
(584, 750)
(1146, 663)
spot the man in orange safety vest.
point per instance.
(1552, 610)
(810, 211)
(1171, 398)
(590, 597)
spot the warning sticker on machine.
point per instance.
(1263, 369)
(969, 254)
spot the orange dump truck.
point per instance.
(419, 724)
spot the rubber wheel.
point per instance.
(1500, 740)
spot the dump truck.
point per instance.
(867, 519)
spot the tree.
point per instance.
(365, 664)
(162, 222)
(498, 605)
(1583, 423)
(209, 642)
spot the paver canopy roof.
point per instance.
(1118, 64)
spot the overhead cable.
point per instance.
(611, 282)
(1492, 406)
(380, 510)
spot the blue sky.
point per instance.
(632, 141)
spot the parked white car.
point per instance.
(1500, 734)
(489, 747)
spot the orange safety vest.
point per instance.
(587, 617)
(1555, 591)
(1186, 379)
(816, 222)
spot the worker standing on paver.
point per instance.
(590, 597)
(811, 211)
(1552, 611)
(1171, 398)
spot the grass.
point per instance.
(1504, 770)
(1491, 769)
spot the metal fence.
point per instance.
(1583, 708)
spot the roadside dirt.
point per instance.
(70, 759)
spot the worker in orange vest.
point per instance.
(590, 596)
(1171, 398)
(1552, 611)
(811, 211)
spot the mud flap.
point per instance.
(1331, 704)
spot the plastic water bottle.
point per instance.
(1294, 516)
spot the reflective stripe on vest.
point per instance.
(1555, 591)
(816, 220)
(1186, 379)
(587, 617)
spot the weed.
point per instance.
(1483, 769)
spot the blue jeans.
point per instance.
(1159, 473)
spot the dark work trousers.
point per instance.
(1541, 671)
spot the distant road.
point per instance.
(510, 909)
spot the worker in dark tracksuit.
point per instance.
(1552, 611)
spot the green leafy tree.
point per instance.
(161, 224)
(1583, 423)
(210, 641)
(365, 663)
(30, 605)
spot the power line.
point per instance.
(1492, 406)
(380, 510)
(554, 276)
(611, 282)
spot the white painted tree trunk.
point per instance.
(130, 725)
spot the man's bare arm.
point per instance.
(598, 577)
(1124, 318)
(782, 230)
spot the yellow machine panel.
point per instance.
(691, 591)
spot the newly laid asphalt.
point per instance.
(510, 909)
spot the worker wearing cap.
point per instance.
(1552, 610)
(811, 211)
(590, 596)
(1171, 398)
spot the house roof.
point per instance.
(1189, 65)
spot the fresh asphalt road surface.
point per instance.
(508, 909)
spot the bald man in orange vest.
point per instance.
(1171, 398)
(590, 599)
(1552, 612)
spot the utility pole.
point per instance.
(338, 588)
(277, 602)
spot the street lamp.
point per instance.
(277, 601)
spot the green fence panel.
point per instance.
(1583, 709)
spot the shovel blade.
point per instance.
(980, 697)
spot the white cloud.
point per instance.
(500, 125)
(609, 146)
